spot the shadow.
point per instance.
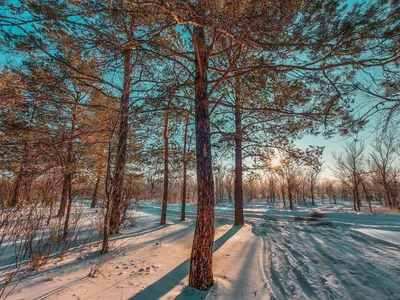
(241, 288)
(225, 237)
(152, 229)
(91, 257)
(190, 293)
(174, 277)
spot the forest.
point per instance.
(160, 149)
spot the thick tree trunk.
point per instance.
(201, 275)
(185, 162)
(95, 191)
(238, 192)
(166, 164)
(119, 170)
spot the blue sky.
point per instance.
(334, 145)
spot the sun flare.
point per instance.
(275, 162)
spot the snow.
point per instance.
(278, 254)
(389, 237)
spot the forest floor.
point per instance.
(278, 254)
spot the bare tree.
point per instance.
(313, 174)
(383, 165)
(348, 168)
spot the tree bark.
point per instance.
(166, 164)
(388, 198)
(69, 163)
(95, 192)
(290, 196)
(312, 194)
(356, 197)
(67, 217)
(238, 192)
(64, 195)
(14, 201)
(185, 162)
(201, 275)
(107, 217)
(355, 200)
(367, 196)
(119, 171)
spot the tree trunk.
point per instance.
(125, 208)
(358, 200)
(67, 217)
(64, 195)
(388, 198)
(312, 195)
(356, 196)
(69, 163)
(183, 208)
(221, 190)
(15, 198)
(166, 164)
(290, 196)
(107, 217)
(50, 213)
(355, 200)
(96, 188)
(201, 275)
(119, 171)
(238, 192)
(367, 196)
(229, 192)
(14, 201)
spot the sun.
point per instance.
(275, 162)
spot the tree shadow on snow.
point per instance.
(174, 277)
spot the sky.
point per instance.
(333, 145)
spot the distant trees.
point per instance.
(349, 168)
(384, 166)
(312, 174)
(374, 174)
(291, 168)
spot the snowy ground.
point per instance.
(278, 254)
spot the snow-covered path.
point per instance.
(278, 255)
(321, 260)
(337, 256)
